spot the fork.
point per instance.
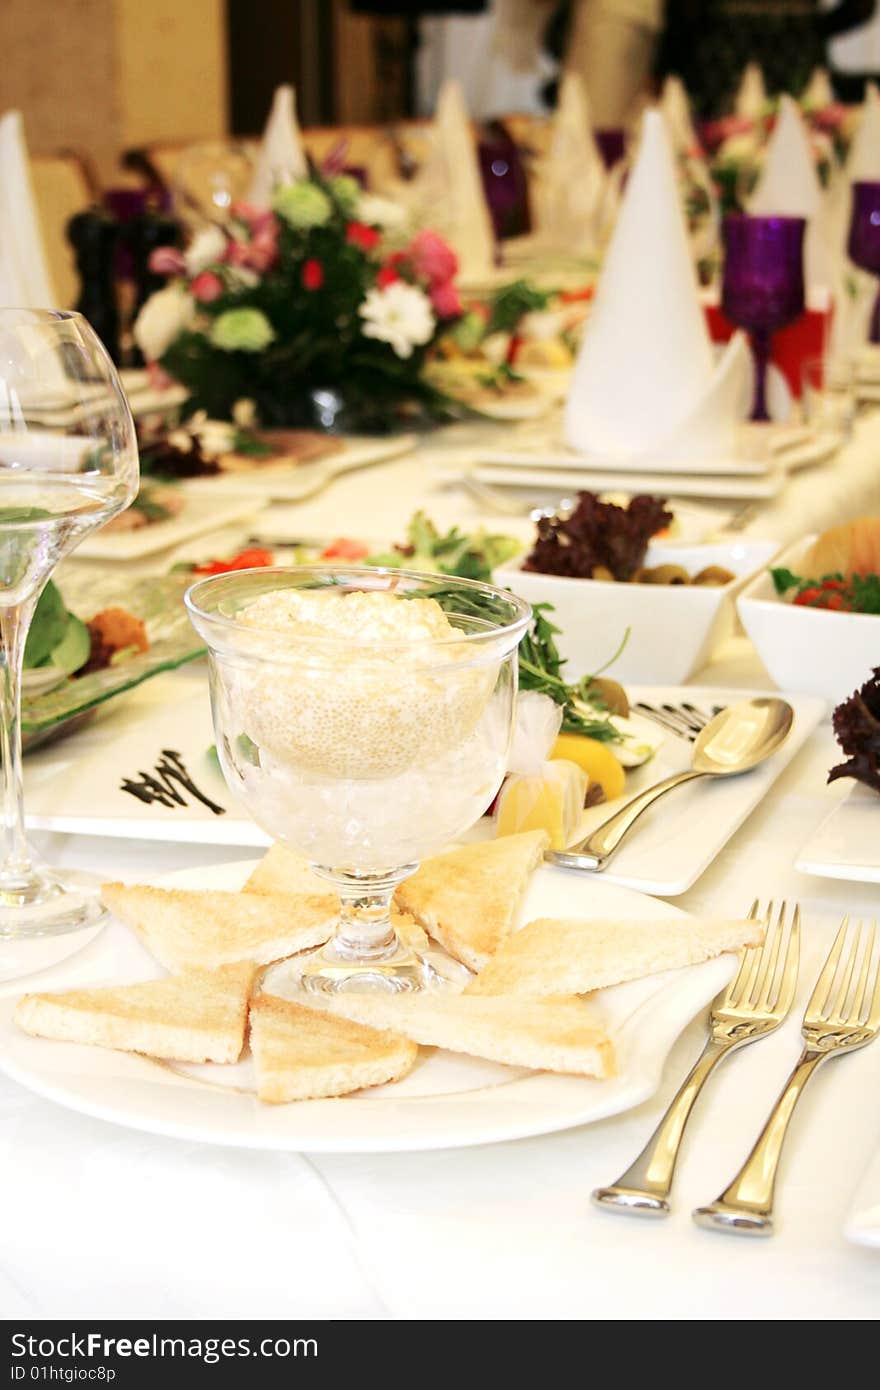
(841, 1016)
(752, 1006)
(683, 719)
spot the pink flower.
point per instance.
(259, 254)
(714, 133)
(432, 259)
(206, 287)
(446, 300)
(166, 260)
(256, 219)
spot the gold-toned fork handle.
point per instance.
(644, 1188)
(595, 851)
(745, 1208)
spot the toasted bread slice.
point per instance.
(575, 957)
(303, 1054)
(282, 871)
(467, 898)
(544, 1034)
(198, 1016)
(186, 928)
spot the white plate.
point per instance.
(672, 845)
(582, 463)
(847, 843)
(448, 1100)
(286, 482)
(735, 486)
(198, 515)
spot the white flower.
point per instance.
(400, 314)
(162, 319)
(216, 437)
(244, 413)
(381, 212)
(207, 247)
(240, 277)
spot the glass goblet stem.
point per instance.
(365, 932)
(16, 873)
(761, 341)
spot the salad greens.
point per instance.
(56, 637)
(856, 593)
(540, 668)
(458, 555)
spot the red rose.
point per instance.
(206, 287)
(387, 276)
(359, 234)
(312, 275)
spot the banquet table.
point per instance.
(103, 1222)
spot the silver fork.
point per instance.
(683, 719)
(841, 1016)
(753, 1005)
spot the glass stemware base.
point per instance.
(327, 971)
(42, 902)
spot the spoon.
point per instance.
(738, 739)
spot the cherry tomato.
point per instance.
(345, 549)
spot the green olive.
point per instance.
(713, 574)
(603, 573)
(612, 695)
(666, 574)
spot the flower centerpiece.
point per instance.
(315, 310)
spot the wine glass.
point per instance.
(363, 753)
(68, 462)
(210, 177)
(864, 239)
(763, 285)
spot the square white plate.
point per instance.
(76, 787)
(847, 843)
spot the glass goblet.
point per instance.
(362, 754)
(763, 284)
(68, 463)
(863, 245)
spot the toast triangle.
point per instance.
(185, 928)
(551, 956)
(467, 899)
(303, 1054)
(198, 1016)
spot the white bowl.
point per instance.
(673, 627)
(808, 649)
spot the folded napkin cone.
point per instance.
(281, 158)
(646, 383)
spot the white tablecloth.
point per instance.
(102, 1222)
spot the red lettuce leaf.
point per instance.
(856, 725)
(598, 533)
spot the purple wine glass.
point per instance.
(763, 285)
(864, 239)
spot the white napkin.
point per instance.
(645, 382)
(281, 158)
(676, 108)
(863, 162)
(25, 281)
(447, 192)
(789, 187)
(572, 195)
(818, 92)
(751, 96)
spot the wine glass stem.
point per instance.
(15, 619)
(761, 340)
(874, 333)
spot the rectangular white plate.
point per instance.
(199, 515)
(847, 843)
(75, 787)
(577, 463)
(730, 485)
(290, 482)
